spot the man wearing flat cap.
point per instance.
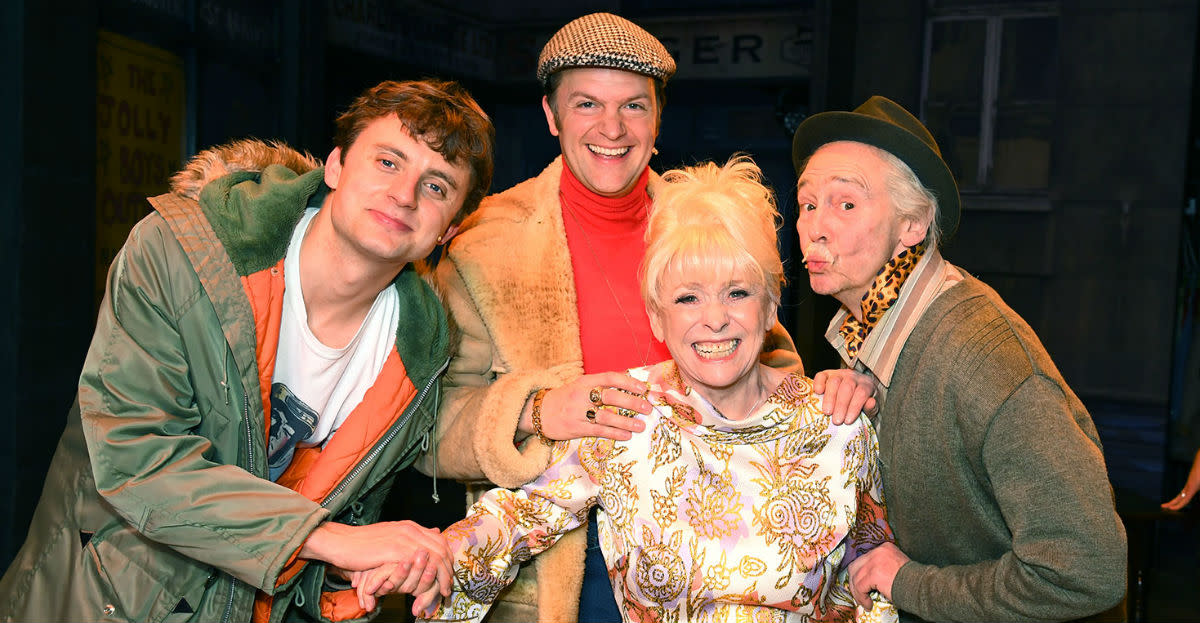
(992, 469)
(542, 282)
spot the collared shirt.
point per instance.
(880, 351)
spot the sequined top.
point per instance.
(701, 518)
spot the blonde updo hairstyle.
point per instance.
(720, 219)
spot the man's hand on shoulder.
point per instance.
(846, 393)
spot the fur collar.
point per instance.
(236, 156)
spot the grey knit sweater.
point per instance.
(993, 473)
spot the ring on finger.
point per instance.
(621, 411)
(590, 414)
(595, 396)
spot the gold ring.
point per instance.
(626, 412)
(590, 414)
(595, 396)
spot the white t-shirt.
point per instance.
(315, 387)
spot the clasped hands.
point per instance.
(386, 557)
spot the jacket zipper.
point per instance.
(229, 606)
(353, 474)
(249, 434)
(408, 413)
(249, 468)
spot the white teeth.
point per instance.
(604, 151)
(716, 350)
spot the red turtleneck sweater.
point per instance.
(606, 238)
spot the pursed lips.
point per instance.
(816, 258)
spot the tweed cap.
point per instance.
(605, 40)
(887, 125)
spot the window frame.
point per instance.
(993, 18)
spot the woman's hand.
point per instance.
(846, 394)
(1190, 488)
(1178, 502)
(593, 405)
(425, 604)
(411, 577)
(376, 582)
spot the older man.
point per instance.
(992, 469)
(543, 283)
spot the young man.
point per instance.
(992, 469)
(266, 358)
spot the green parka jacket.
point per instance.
(157, 506)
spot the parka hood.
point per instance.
(242, 155)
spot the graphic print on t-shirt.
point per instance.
(292, 421)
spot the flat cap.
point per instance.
(605, 40)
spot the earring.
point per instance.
(439, 239)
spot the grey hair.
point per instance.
(911, 199)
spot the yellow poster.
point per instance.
(140, 109)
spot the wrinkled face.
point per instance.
(714, 326)
(607, 121)
(393, 195)
(847, 225)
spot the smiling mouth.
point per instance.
(606, 151)
(392, 222)
(716, 350)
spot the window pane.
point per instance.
(956, 131)
(1022, 147)
(952, 100)
(1025, 103)
(956, 59)
(1028, 59)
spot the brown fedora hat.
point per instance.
(888, 126)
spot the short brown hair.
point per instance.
(439, 112)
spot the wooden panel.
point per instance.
(1003, 241)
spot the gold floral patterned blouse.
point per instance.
(701, 518)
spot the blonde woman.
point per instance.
(741, 499)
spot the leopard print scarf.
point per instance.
(882, 294)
